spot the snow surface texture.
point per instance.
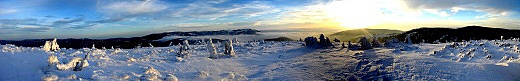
(472, 60)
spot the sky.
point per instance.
(35, 19)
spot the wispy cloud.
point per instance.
(66, 21)
(34, 28)
(215, 10)
(131, 7)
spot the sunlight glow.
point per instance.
(355, 13)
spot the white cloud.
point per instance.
(215, 10)
(7, 11)
(132, 7)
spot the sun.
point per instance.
(354, 14)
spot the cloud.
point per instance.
(131, 7)
(66, 21)
(492, 8)
(7, 11)
(82, 26)
(34, 29)
(107, 20)
(7, 24)
(217, 10)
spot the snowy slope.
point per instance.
(472, 60)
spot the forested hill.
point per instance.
(131, 42)
(435, 35)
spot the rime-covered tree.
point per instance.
(311, 41)
(229, 51)
(343, 45)
(184, 50)
(186, 43)
(211, 48)
(235, 40)
(327, 42)
(408, 39)
(364, 43)
(47, 46)
(322, 39)
(336, 40)
(51, 45)
(54, 45)
(376, 43)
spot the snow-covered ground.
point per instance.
(472, 60)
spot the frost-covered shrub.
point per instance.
(322, 39)
(327, 42)
(336, 40)
(152, 71)
(72, 77)
(311, 41)
(52, 61)
(51, 45)
(235, 40)
(364, 43)
(211, 48)
(151, 75)
(184, 50)
(47, 46)
(343, 45)
(408, 39)
(51, 77)
(202, 74)
(376, 43)
(392, 42)
(228, 49)
(74, 63)
(186, 44)
(171, 77)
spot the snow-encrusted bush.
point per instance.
(52, 61)
(212, 50)
(51, 77)
(151, 75)
(336, 40)
(228, 48)
(184, 50)
(51, 45)
(73, 63)
(364, 43)
(235, 40)
(408, 39)
(186, 43)
(171, 77)
(392, 42)
(151, 45)
(311, 41)
(202, 74)
(376, 43)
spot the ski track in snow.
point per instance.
(259, 61)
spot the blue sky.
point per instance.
(34, 19)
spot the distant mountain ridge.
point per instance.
(353, 35)
(439, 35)
(132, 42)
